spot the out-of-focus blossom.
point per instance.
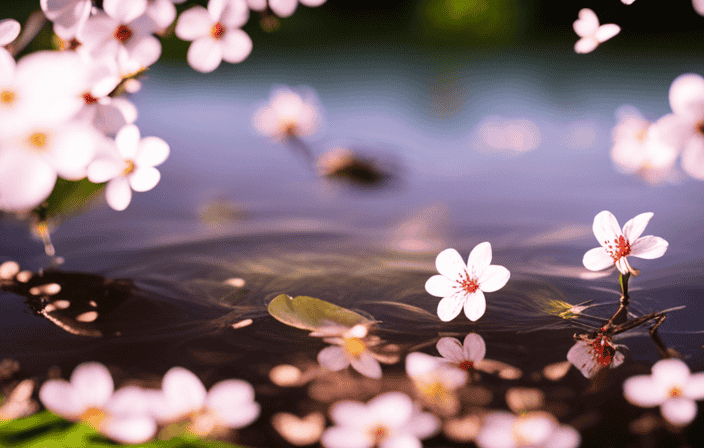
(466, 355)
(229, 403)
(122, 33)
(282, 8)
(387, 421)
(299, 431)
(436, 381)
(463, 285)
(68, 16)
(617, 245)
(534, 429)
(698, 6)
(639, 147)
(18, 402)
(352, 347)
(289, 114)
(162, 12)
(88, 397)
(215, 33)
(9, 30)
(672, 387)
(498, 134)
(591, 33)
(131, 167)
(627, 2)
(592, 355)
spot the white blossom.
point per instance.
(289, 114)
(282, 8)
(351, 347)
(590, 32)
(465, 355)
(617, 245)
(68, 16)
(463, 285)
(436, 381)
(592, 355)
(9, 30)
(534, 429)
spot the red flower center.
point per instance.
(218, 30)
(469, 284)
(619, 248)
(90, 99)
(466, 365)
(604, 350)
(123, 34)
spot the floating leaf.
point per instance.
(309, 313)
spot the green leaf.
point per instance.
(67, 198)
(309, 313)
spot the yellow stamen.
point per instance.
(38, 140)
(354, 346)
(93, 417)
(129, 167)
(7, 97)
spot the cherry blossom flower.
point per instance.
(534, 429)
(436, 381)
(627, 2)
(282, 8)
(592, 355)
(671, 386)
(698, 6)
(88, 397)
(289, 114)
(352, 347)
(162, 12)
(617, 245)
(68, 16)
(591, 33)
(463, 285)
(131, 167)
(215, 33)
(498, 134)
(387, 421)
(466, 355)
(9, 30)
(229, 403)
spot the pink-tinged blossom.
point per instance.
(617, 244)
(672, 387)
(389, 420)
(534, 429)
(215, 33)
(592, 355)
(351, 347)
(463, 285)
(282, 8)
(465, 355)
(289, 114)
(590, 32)
(9, 30)
(68, 16)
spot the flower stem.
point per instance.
(621, 314)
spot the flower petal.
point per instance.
(450, 306)
(479, 259)
(634, 228)
(59, 398)
(153, 151)
(391, 408)
(183, 390)
(450, 349)
(419, 364)
(127, 141)
(564, 437)
(125, 11)
(586, 45)
(587, 24)
(449, 263)
(669, 372)
(644, 391)
(118, 193)
(401, 441)
(649, 247)
(283, 8)
(693, 157)
(204, 54)
(475, 305)
(474, 347)
(580, 355)
(423, 425)
(349, 413)
(366, 365)
(333, 358)
(597, 259)
(343, 437)
(129, 429)
(236, 46)
(9, 30)
(129, 400)
(494, 278)
(233, 401)
(144, 178)
(679, 411)
(440, 286)
(687, 96)
(92, 384)
(606, 227)
(694, 388)
(193, 24)
(606, 32)
(235, 13)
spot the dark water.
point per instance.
(232, 205)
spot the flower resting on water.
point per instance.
(436, 381)
(463, 285)
(466, 355)
(389, 420)
(534, 429)
(671, 386)
(617, 244)
(592, 355)
(351, 348)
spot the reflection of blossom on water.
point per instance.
(436, 381)
(463, 285)
(388, 420)
(671, 386)
(534, 429)
(466, 355)
(592, 355)
(289, 114)
(617, 244)
(591, 33)
(496, 133)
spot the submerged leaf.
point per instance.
(309, 313)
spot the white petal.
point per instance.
(233, 401)
(475, 305)
(92, 384)
(693, 157)
(474, 347)
(283, 8)
(670, 372)
(687, 96)
(423, 425)
(144, 52)
(494, 278)
(450, 349)
(127, 141)
(333, 358)
(257, 5)
(679, 411)
(644, 391)
(235, 13)
(204, 54)
(649, 247)
(129, 429)
(152, 151)
(125, 11)
(440, 286)
(605, 227)
(401, 441)
(311, 3)
(103, 169)
(586, 45)
(366, 365)
(341, 437)
(58, 397)
(698, 6)
(236, 46)
(634, 228)
(618, 359)
(564, 437)
(606, 32)
(627, 2)
(622, 265)
(694, 388)
(597, 259)
(7, 67)
(73, 149)
(242, 416)
(349, 413)
(392, 408)
(194, 23)
(450, 306)
(581, 357)
(449, 263)
(118, 193)
(183, 390)
(587, 23)
(25, 182)
(479, 259)
(144, 178)
(497, 435)
(128, 110)
(129, 400)
(9, 30)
